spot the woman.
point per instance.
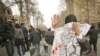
(65, 39)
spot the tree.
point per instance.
(27, 8)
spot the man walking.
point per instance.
(36, 38)
(6, 36)
(25, 33)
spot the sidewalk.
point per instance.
(99, 35)
(42, 52)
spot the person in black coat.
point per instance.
(19, 40)
(36, 38)
(93, 37)
(6, 36)
(25, 33)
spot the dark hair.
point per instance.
(92, 27)
(70, 18)
(17, 25)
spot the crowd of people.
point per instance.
(18, 35)
(69, 40)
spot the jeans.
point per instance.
(20, 50)
(37, 49)
(27, 43)
(9, 47)
(24, 49)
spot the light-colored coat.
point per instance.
(65, 41)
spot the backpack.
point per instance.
(18, 34)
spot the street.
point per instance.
(98, 46)
(3, 51)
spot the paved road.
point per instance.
(98, 46)
(3, 51)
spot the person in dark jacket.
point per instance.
(31, 30)
(36, 38)
(6, 35)
(19, 40)
(25, 33)
(49, 37)
(93, 37)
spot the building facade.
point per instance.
(5, 12)
(85, 10)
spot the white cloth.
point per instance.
(84, 28)
(65, 41)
